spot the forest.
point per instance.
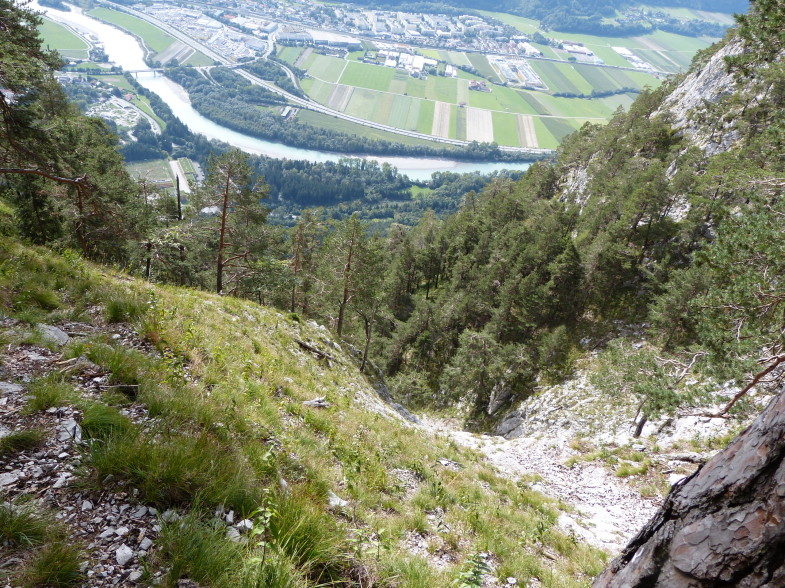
(474, 308)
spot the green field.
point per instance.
(152, 170)
(598, 78)
(325, 68)
(325, 121)
(154, 37)
(289, 54)
(62, 40)
(560, 128)
(417, 191)
(505, 129)
(372, 77)
(425, 117)
(544, 137)
(480, 63)
(199, 58)
(531, 99)
(525, 25)
(561, 77)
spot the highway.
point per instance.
(304, 102)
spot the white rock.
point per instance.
(335, 501)
(245, 525)
(53, 335)
(9, 388)
(675, 478)
(109, 532)
(229, 517)
(87, 505)
(124, 554)
(122, 531)
(134, 576)
(70, 430)
(146, 544)
(139, 512)
(233, 535)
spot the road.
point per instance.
(305, 102)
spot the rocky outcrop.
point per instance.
(723, 526)
(701, 87)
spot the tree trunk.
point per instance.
(219, 265)
(179, 201)
(347, 276)
(723, 526)
(368, 330)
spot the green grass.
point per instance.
(531, 99)
(545, 138)
(372, 77)
(225, 387)
(599, 79)
(289, 54)
(155, 169)
(482, 65)
(326, 68)
(505, 129)
(49, 557)
(500, 98)
(198, 58)
(425, 117)
(58, 37)
(48, 391)
(328, 122)
(559, 127)
(23, 524)
(154, 37)
(21, 441)
(55, 565)
(554, 77)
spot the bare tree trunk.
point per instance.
(222, 237)
(179, 201)
(368, 330)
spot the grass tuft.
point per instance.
(21, 441)
(48, 391)
(21, 525)
(55, 564)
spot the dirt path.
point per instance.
(606, 512)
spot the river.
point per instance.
(125, 51)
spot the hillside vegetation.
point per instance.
(665, 223)
(216, 387)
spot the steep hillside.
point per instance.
(176, 435)
(642, 260)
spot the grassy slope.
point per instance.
(61, 39)
(226, 387)
(155, 38)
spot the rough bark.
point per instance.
(723, 526)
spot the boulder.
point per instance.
(722, 526)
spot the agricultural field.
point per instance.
(154, 170)
(460, 108)
(156, 39)
(59, 38)
(325, 121)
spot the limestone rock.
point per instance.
(724, 525)
(53, 335)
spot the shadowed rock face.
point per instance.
(722, 526)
